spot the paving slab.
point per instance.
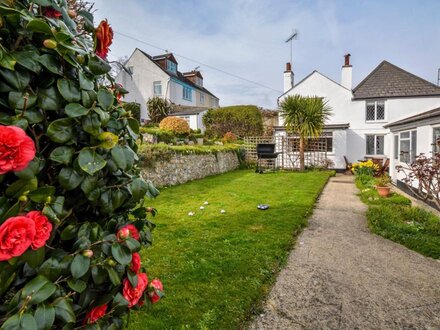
(341, 276)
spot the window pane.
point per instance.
(413, 145)
(380, 111)
(380, 144)
(370, 111)
(370, 144)
(404, 150)
(157, 88)
(396, 147)
(330, 144)
(436, 142)
(404, 135)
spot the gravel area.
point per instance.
(340, 276)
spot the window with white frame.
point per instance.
(202, 98)
(187, 93)
(328, 138)
(396, 147)
(407, 146)
(436, 140)
(375, 111)
(171, 66)
(186, 118)
(375, 144)
(157, 86)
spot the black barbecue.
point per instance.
(265, 151)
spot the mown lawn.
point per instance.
(216, 268)
(394, 218)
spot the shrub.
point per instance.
(383, 180)
(158, 109)
(134, 108)
(176, 125)
(242, 120)
(229, 137)
(72, 214)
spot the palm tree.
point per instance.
(305, 117)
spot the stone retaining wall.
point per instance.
(183, 168)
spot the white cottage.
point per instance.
(358, 126)
(151, 76)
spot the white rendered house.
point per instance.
(358, 125)
(159, 76)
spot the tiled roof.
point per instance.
(420, 116)
(187, 110)
(388, 80)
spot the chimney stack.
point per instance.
(347, 73)
(288, 77)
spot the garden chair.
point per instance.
(348, 165)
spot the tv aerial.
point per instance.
(293, 36)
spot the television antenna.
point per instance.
(293, 36)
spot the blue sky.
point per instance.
(246, 38)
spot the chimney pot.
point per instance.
(288, 67)
(347, 59)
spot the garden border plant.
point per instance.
(72, 213)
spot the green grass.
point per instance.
(394, 218)
(216, 268)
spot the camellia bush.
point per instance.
(72, 213)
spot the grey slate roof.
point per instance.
(187, 110)
(388, 80)
(416, 118)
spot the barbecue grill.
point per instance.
(265, 151)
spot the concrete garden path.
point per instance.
(340, 276)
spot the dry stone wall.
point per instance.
(183, 168)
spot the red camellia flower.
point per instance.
(16, 149)
(95, 314)
(135, 262)
(132, 232)
(104, 38)
(43, 229)
(16, 235)
(132, 295)
(156, 293)
(51, 13)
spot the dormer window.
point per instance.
(171, 66)
(199, 81)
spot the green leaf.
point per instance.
(138, 189)
(89, 184)
(77, 285)
(20, 322)
(50, 213)
(119, 196)
(80, 266)
(39, 289)
(121, 253)
(58, 204)
(20, 122)
(133, 278)
(88, 98)
(132, 244)
(64, 310)
(21, 186)
(61, 130)
(49, 99)
(133, 128)
(99, 274)
(113, 275)
(88, 20)
(90, 161)
(62, 155)
(69, 232)
(84, 82)
(18, 100)
(51, 64)
(50, 269)
(69, 90)
(18, 79)
(45, 317)
(76, 110)
(28, 59)
(8, 62)
(12, 211)
(39, 26)
(91, 124)
(105, 99)
(118, 157)
(41, 194)
(30, 171)
(152, 191)
(69, 178)
(103, 115)
(34, 258)
(44, 3)
(98, 66)
(33, 116)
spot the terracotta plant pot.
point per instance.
(383, 191)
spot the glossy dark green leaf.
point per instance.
(49, 99)
(20, 122)
(33, 116)
(12, 211)
(88, 98)
(64, 310)
(88, 20)
(45, 317)
(57, 205)
(62, 155)
(121, 253)
(38, 25)
(61, 130)
(105, 99)
(20, 322)
(68, 233)
(39, 289)
(113, 275)
(41, 194)
(133, 128)
(51, 64)
(98, 66)
(80, 266)
(18, 79)
(138, 189)
(76, 110)
(118, 157)
(91, 124)
(34, 257)
(69, 89)
(50, 214)
(132, 244)
(8, 62)
(21, 186)
(133, 278)
(84, 82)
(50, 269)
(18, 100)
(99, 274)
(30, 171)
(89, 184)
(77, 285)
(90, 161)
(28, 59)
(119, 196)
(69, 178)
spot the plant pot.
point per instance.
(383, 191)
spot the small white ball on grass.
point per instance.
(190, 214)
(222, 211)
(202, 207)
(206, 203)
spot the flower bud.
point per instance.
(48, 199)
(72, 13)
(123, 233)
(81, 59)
(50, 43)
(23, 198)
(87, 253)
(111, 262)
(149, 209)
